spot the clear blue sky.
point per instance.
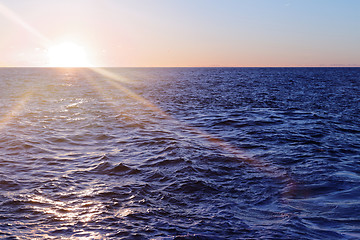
(185, 32)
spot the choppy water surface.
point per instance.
(187, 153)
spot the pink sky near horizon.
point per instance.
(198, 33)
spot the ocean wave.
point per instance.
(188, 153)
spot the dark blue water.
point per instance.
(183, 153)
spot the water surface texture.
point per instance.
(182, 153)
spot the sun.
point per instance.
(67, 54)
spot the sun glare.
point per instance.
(67, 54)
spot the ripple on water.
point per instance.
(243, 154)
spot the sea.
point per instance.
(180, 153)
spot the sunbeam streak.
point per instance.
(106, 73)
(8, 13)
(15, 110)
(115, 81)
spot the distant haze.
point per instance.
(181, 33)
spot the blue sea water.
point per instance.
(180, 153)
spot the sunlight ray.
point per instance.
(115, 81)
(15, 110)
(8, 13)
(106, 73)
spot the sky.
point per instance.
(183, 33)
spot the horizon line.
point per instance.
(295, 66)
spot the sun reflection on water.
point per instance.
(73, 211)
